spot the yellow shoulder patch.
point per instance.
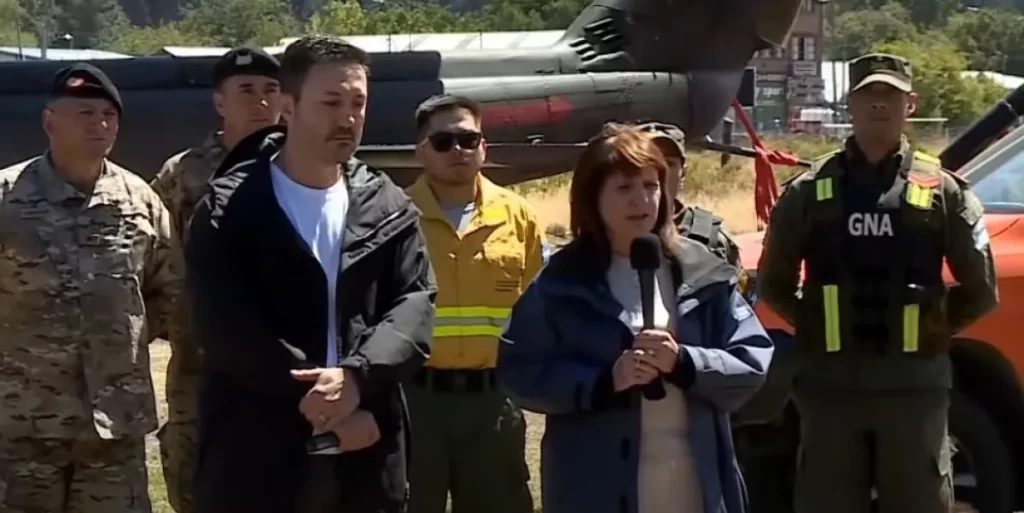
(827, 155)
(823, 158)
(924, 157)
(932, 166)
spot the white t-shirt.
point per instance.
(318, 215)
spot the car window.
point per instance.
(1002, 189)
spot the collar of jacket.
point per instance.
(488, 212)
(57, 189)
(263, 143)
(378, 209)
(574, 272)
(853, 155)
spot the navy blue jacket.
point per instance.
(561, 342)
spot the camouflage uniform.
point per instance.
(181, 183)
(86, 282)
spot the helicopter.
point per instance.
(677, 62)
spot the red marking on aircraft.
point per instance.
(532, 112)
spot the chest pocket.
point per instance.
(25, 247)
(504, 256)
(114, 240)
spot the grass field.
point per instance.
(725, 190)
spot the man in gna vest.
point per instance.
(872, 224)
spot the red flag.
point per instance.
(766, 190)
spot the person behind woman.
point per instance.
(574, 349)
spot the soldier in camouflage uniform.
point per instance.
(89, 273)
(873, 224)
(246, 96)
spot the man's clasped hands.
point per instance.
(332, 405)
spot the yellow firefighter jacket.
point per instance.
(480, 272)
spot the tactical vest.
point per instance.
(873, 277)
(704, 227)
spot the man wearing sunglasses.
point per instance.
(486, 246)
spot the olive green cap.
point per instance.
(883, 68)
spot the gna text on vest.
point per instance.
(870, 224)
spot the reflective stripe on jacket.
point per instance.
(480, 272)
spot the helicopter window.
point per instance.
(1002, 189)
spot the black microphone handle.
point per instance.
(322, 441)
(654, 390)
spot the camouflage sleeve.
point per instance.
(970, 260)
(778, 272)
(163, 279)
(534, 248)
(165, 183)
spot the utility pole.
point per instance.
(831, 13)
(17, 28)
(44, 29)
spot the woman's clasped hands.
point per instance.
(654, 352)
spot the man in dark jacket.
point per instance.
(301, 254)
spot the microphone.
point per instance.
(645, 257)
(321, 443)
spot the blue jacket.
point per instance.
(556, 356)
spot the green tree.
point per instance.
(37, 17)
(348, 18)
(992, 38)
(419, 17)
(930, 13)
(939, 79)
(149, 40)
(91, 22)
(13, 29)
(532, 14)
(855, 32)
(234, 22)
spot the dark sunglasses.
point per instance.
(444, 141)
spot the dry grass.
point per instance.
(160, 353)
(726, 190)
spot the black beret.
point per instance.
(245, 60)
(83, 80)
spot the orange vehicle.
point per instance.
(987, 409)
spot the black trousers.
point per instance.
(321, 490)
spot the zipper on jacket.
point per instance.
(344, 317)
(370, 235)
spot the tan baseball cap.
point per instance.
(881, 68)
(668, 133)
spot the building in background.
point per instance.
(789, 78)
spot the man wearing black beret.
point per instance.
(246, 96)
(89, 274)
